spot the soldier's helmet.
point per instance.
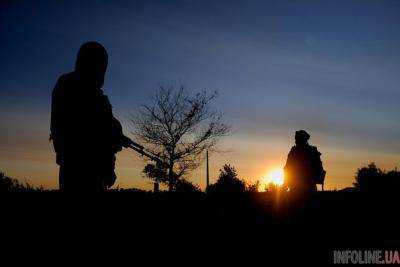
(92, 61)
(301, 137)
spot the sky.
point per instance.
(329, 67)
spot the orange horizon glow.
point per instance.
(274, 176)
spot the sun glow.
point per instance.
(275, 176)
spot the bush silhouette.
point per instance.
(179, 184)
(8, 184)
(253, 187)
(374, 179)
(228, 181)
(185, 186)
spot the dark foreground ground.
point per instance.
(172, 226)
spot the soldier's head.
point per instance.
(301, 137)
(92, 62)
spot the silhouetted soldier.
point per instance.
(85, 134)
(303, 169)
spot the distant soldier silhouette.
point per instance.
(303, 169)
(85, 134)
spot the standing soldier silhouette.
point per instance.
(303, 169)
(85, 134)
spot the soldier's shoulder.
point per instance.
(65, 79)
(314, 149)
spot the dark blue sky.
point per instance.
(331, 67)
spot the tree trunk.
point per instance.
(171, 176)
(156, 187)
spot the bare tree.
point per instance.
(178, 127)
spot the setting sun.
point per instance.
(276, 177)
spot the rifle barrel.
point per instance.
(136, 145)
(144, 153)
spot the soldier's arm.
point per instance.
(119, 140)
(123, 140)
(289, 159)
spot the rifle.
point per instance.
(141, 150)
(159, 163)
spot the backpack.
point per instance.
(319, 172)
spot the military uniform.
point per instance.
(303, 167)
(85, 134)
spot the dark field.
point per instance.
(258, 222)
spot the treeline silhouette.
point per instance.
(9, 184)
(373, 179)
(229, 182)
(369, 178)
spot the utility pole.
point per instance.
(207, 172)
